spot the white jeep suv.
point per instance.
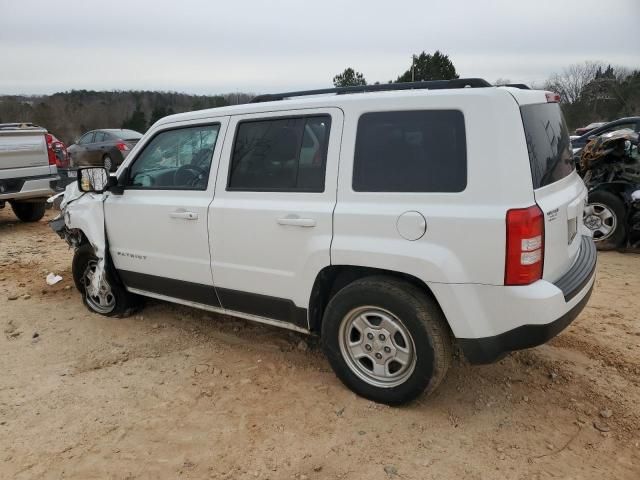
(394, 221)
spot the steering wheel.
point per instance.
(188, 175)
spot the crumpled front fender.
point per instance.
(84, 212)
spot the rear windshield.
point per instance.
(127, 134)
(548, 143)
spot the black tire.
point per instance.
(616, 206)
(420, 316)
(124, 303)
(29, 211)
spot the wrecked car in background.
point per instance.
(579, 142)
(610, 166)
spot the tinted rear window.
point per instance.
(280, 154)
(126, 135)
(410, 151)
(547, 142)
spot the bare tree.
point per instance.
(571, 82)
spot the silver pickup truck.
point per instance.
(27, 170)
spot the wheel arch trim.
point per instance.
(332, 278)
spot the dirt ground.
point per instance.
(175, 392)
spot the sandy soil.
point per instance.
(174, 392)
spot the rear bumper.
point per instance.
(493, 321)
(581, 272)
(490, 349)
(29, 187)
(67, 176)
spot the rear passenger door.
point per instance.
(271, 218)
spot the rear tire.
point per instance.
(114, 300)
(28, 211)
(386, 340)
(605, 216)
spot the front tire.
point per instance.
(386, 340)
(112, 300)
(605, 216)
(28, 211)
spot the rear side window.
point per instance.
(547, 142)
(410, 151)
(280, 154)
(86, 138)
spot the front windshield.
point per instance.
(179, 158)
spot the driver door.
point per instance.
(157, 229)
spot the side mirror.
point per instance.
(117, 184)
(93, 179)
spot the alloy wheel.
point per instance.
(377, 346)
(601, 220)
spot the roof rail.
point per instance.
(521, 86)
(426, 85)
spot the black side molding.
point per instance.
(572, 282)
(170, 287)
(490, 349)
(264, 306)
(245, 302)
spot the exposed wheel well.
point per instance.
(332, 279)
(614, 188)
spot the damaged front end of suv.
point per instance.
(81, 224)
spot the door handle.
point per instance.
(183, 214)
(296, 221)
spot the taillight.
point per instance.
(525, 246)
(552, 97)
(123, 147)
(50, 151)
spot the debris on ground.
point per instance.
(52, 279)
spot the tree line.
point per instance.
(69, 114)
(595, 92)
(590, 91)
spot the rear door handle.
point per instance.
(296, 221)
(183, 214)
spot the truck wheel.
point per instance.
(112, 300)
(605, 216)
(28, 211)
(386, 340)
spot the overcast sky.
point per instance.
(207, 47)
